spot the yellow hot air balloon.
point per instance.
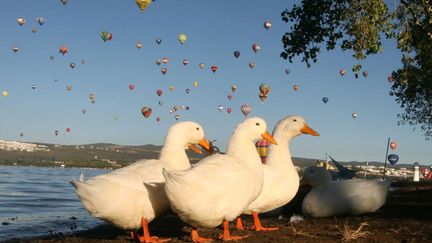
(182, 38)
(143, 4)
(5, 93)
(195, 84)
(171, 88)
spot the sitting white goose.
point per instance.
(221, 186)
(281, 180)
(345, 197)
(133, 196)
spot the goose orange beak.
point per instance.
(194, 148)
(206, 145)
(307, 130)
(268, 137)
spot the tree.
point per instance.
(359, 25)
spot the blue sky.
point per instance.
(214, 30)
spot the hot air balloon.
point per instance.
(160, 102)
(72, 65)
(182, 38)
(164, 71)
(139, 45)
(5, 94)
(256, 48)
(158, 62)
(106, 36)
(21, 21)
(33, 30)
(195, 84)
(230, 97)
(295, 87)
(92, 98)
(68, 129)
(83, 111)
(165, 60)
(158, 41)
(201, 65)
(146, 111)
(252, 65)
(63, 50)
(287, 71)
(214, 68)
(56, 132)
(21, 134)
(52, 57)
(393, 158)
(177, 117)
(229, 110)
(393, 145)
(342, 72)
(220, 108)
(159, 92)
(264, 89)
(185, 62)
(171, 88)
(262, 149)
(354, 115)
(33, 87)
(365, 74)
(188, 91)
(325, 100)
(236, 54)
(245, 109)
(267, 24)
(15, 49)
(64, 1)
(40, 20)
(143, 4)
(131, 87)
(233, 88)
(69, 87)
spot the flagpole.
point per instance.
(385, 160)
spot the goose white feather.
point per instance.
(124, 196)
(220, 186)
(281, 180)
(351, 197)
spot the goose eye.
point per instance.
(257, 124)
(295, 120)
(197, 128)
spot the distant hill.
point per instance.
(102, 155)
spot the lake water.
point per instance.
(40, 201)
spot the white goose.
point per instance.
(281, 180)
(329, 198)
(133, 196)
(220, 186)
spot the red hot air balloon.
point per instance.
(342, 72)
(295, 87)
(214, 68)
(131, 87)
(262, 149)
(146, 111)
(63, 50)
(229, 110)
(165, 60)
(159, 92)
(68, 129)
(393, 145)
(256, 48)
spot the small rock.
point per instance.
(73, 217)
(5, 223)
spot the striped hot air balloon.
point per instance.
(262, 149)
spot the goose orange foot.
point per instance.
(239, 224)
(146, 238)
(197, 239)
(226, 236)
(257, 224)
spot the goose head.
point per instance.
(253, 128)
(293, 126)
(316, 176)
(187, 134)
